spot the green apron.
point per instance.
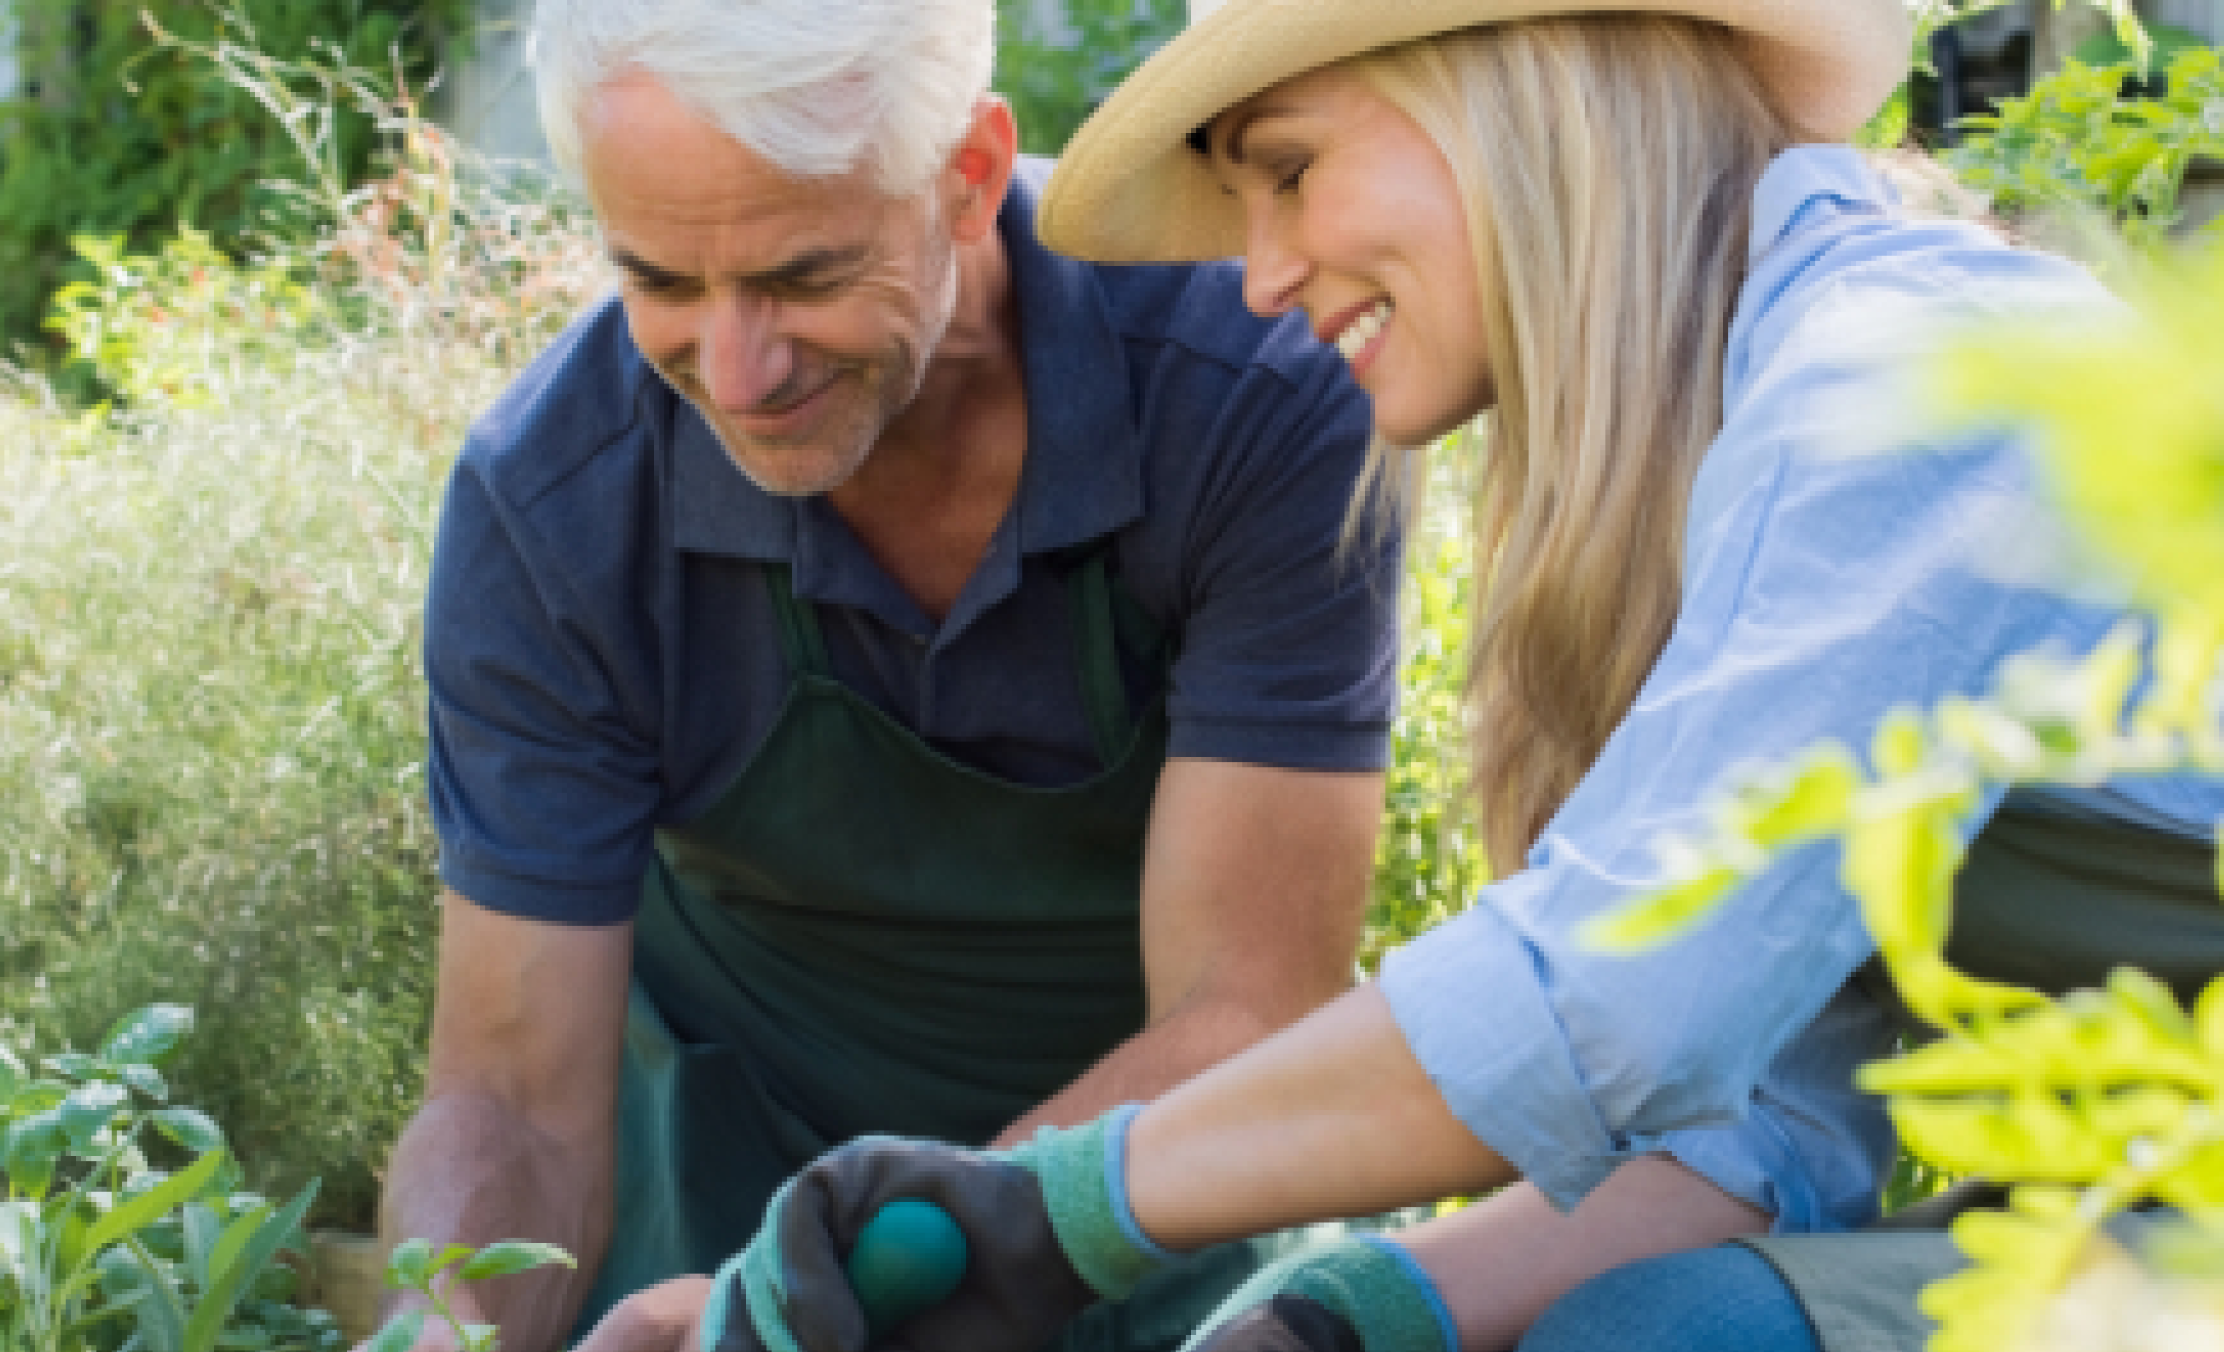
(2044, 901)
(863, 935)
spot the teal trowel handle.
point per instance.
(908, 1258)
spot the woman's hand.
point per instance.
(1359, 1293)
(1042, 1229)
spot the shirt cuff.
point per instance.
(584, 904)
(1467, 998)
(1282, 746)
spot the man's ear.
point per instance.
(979, 170)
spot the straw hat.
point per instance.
(1130, 189)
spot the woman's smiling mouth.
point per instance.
(1357, 337)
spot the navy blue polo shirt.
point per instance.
(604, 659)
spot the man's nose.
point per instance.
(741, 355)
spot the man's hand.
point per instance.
(666, 1317)
(516, 1137)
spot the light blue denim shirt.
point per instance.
(1823, 586)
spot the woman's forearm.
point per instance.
(1330, 1117)
(1500, 1262)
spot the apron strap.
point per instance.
(1096, 631)
(800, 637)
(1103, 617)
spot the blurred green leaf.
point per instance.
(189, 1127)
(146, 1036)
(88, 1111)
(410, 1264)
(512, 1256)
(248, 1246)
(399, 1333)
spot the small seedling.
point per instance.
(98, 1246)
(415, 1265)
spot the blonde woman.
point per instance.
(1635, 244)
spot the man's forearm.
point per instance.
(1192, 1038)
(467, 1171)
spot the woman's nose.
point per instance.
(1273, 270)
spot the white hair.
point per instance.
(821, 88)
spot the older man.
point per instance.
(884, 677)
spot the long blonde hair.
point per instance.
(1608, 164)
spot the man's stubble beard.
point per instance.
(873, 414)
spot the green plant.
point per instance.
(1427, 860)
(2074, 144)
(2109, 1098)
(415, 1265)
(113, 134)
(1056, 63)
(101, 1250)
(146, 325)
(1889, 127)
(211, 728)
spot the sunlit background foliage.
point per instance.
(211, 740)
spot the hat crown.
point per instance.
(1129, 189)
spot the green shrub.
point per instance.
(117, 134)
(1428, 861)
(104, 1250)
(211, 726)
(2075, 144)
(1057, 62)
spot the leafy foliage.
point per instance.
(415, 1265)
(2107, 1098)
(211, 735)
(1057, 62)
(2074, 144)
(119, 135)
(144, 324)
(99, 1249)
(1428, 862)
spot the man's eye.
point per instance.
(1288, 177)
(660, 288)
(817, 286)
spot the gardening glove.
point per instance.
(1360, 1293)
(1046, 1225)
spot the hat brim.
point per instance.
(1129, 188)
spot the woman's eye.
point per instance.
(1287, 177)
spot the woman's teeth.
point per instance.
(1361, 331)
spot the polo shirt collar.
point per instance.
(1083, 476)
(1798, 177)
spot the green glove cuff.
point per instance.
(1368, 1281)
(751, 1280)
(1083, 1176)
(719, 1307)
